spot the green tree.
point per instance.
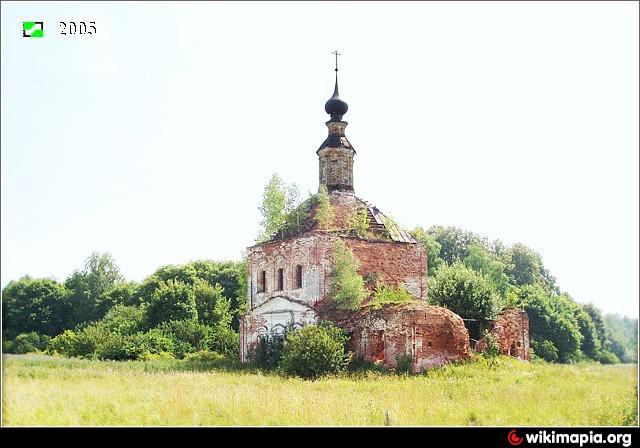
(545, 350)
(41, 305)
(324, 212)
(524, 267)
(624, 330)
(481, 260)
(465, 292)
(124, 293)
(279, 199)
(611, 350)
(551, 318)
(590, 343)
(358, 222)
(598, 321)
(190, 336)
(212, 306)
(100, 274)
(173, 300)
(455, 242)
(433, 249)
(230, 275)
(26, 343)
(346, 285)
(123, 319)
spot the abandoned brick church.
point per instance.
(288, 278)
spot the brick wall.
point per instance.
(511, 331)
(430, 335)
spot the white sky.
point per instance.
(153, 139)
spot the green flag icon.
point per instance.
(32, 29)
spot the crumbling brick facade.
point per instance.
(510, 331)
(279, 297)
(430, 335)
(289, 276)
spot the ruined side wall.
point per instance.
(431, 335)
(511, 331)
(393, 263)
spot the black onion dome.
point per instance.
(335, 106)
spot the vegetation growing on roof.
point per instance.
(387, 294)
(283, 215)
(279, 200)
(358, 222)
(391, 227)
(324, 211)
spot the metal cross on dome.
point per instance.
(337, 54)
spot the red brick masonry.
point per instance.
(431, 335)
(511, 332)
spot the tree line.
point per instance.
(96, 312)
(476, 278)
(183, 309)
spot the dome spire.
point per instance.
(335, 106)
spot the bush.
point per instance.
(360, 366)
(347, 286)
(172, 300)
(87, 340)
(404, 363)
(324, 212)
(551, 318)
(187, 335)
(545, 350)
(26, 343)
(268, 352)
(63, 344)
(209, 360)
(390, 294)
(119, 347)
(156, 342)
(223, 340)
(123, 319)
(190, 336)
(465, 292)
(314, 350)
(162, 356)
(607, 357)
(7, 345)
(493, 349)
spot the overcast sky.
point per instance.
(153, 138)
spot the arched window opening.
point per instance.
(262, 281)
(280, 280)
(299, 276)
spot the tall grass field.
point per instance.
(39, 391)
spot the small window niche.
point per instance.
(299, 276)
(280, 283)
(262, 281)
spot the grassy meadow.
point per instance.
(40, 391)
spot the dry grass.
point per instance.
(42, 391)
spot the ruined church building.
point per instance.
(289, 278)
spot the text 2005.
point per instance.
(71, 28)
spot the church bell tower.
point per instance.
(336, 153)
